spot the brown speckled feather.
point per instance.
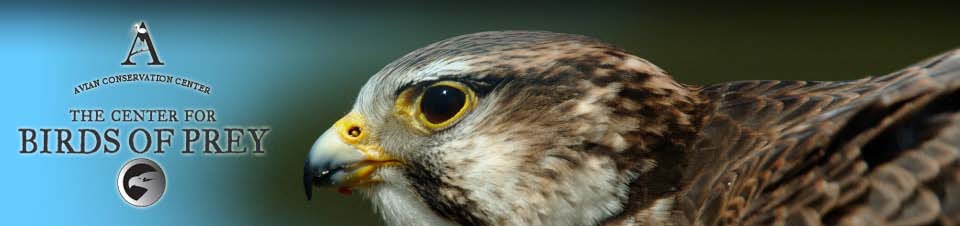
(874, 151)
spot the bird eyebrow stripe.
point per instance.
(480, 87)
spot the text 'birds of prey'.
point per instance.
(540, 128)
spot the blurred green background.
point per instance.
(314, 57)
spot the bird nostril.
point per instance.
(354, 131)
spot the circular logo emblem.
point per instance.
(141, 182)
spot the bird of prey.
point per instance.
(541, 128)
(149, 185)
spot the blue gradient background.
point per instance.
(296, 67)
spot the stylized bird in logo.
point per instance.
(151, 184)
(539, 128)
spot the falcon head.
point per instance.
(145, 180)
(511, 128)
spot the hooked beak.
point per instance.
(344, 156)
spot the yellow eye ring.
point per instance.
(450, 99)
(437, 106)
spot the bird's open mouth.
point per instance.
(344, 177)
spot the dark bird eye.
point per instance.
(442, 103)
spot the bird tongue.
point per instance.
(344, 190)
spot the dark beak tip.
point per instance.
(309, 193)
(308, 180)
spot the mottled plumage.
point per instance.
(568, 130)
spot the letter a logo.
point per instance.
(143, 37)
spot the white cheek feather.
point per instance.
(582, 196)
(595, 194)
(399, 204)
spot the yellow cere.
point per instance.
(353, 131)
